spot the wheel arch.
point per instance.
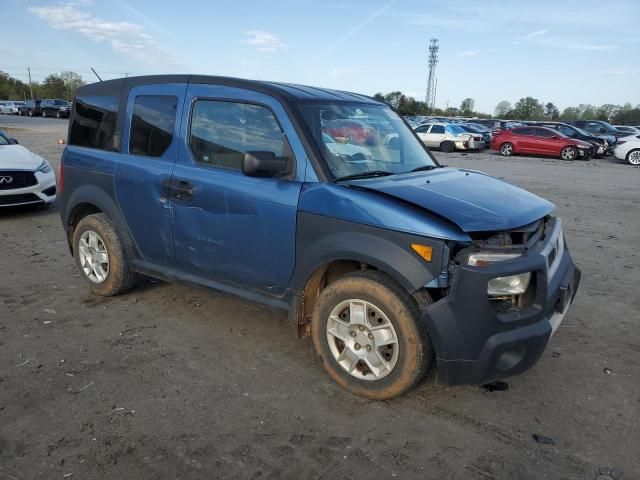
(89, 199)
(330, 249)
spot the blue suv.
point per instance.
(322, 203)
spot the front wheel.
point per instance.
(568, 153)
(633, 157)
(447, 146)
(100, 257)
(367, 331)
(44, 114)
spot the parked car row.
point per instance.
(48, 107)
(579, 139)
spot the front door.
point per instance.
(230, 227)
(149, 147)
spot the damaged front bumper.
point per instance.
(476, 341)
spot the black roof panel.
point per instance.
(286, 91)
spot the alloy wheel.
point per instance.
(634, 157)
(362, 340)
(94, 258)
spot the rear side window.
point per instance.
(152, 124)
(543, 132)
(94, 122)
(437, 129)
(523, 131)
(222, 132)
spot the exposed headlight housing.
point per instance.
(485, 259)
(501, 286)
(511, 285)
(45, 167)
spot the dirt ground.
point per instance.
(170, 381)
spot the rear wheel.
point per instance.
(367, 331)
(633, 157)
(569, 153)
(58, 115)
(30, 113)
(100, 256)
(506, 149)
(44, 113)
(447, 146)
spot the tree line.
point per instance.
(57, 85)
(527, 108)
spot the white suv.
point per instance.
(448, 137)
(25, 178)
(9, 107)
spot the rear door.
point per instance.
(229, 227)
(150, 148)
(435, 136)
(524, 140)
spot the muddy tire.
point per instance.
(447, 146)
(100, 257)
(367, 332)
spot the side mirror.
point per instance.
(14, 140)
(266, 164)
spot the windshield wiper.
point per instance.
(370, 173)
(424, 168)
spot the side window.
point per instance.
(523, 131)
(566, 131)
(222, 132)
(152, 124)
(422, 129)
(94, 122)
(543, 132)
(437, 129)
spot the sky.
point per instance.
(567, 52)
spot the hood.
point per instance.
(474, 201)
(16, 157)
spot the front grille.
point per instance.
(16, 199)
(10, 180)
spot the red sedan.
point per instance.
(352, 131)
(540, 141)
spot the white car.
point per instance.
(449, 137)
(25, 178)
(628, 129)
(9, 107)
(628, 148)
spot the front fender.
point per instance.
(322, 239)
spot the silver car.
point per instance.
(9, 107)
(448, 137)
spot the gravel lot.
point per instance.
(170, 381)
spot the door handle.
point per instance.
(178, 189)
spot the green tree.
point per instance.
(466, 107)
(551, 111)
(587, 111)
(71, 82)
(570, 113)
(502, 109)
(607, 111)
(629, 116)
(528, 108)
(53, 87)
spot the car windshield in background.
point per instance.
(361, 140)
(4, 140)
(455, 129)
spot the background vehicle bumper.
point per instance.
(475, 344)
(43, 192)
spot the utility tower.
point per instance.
(430, 98)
